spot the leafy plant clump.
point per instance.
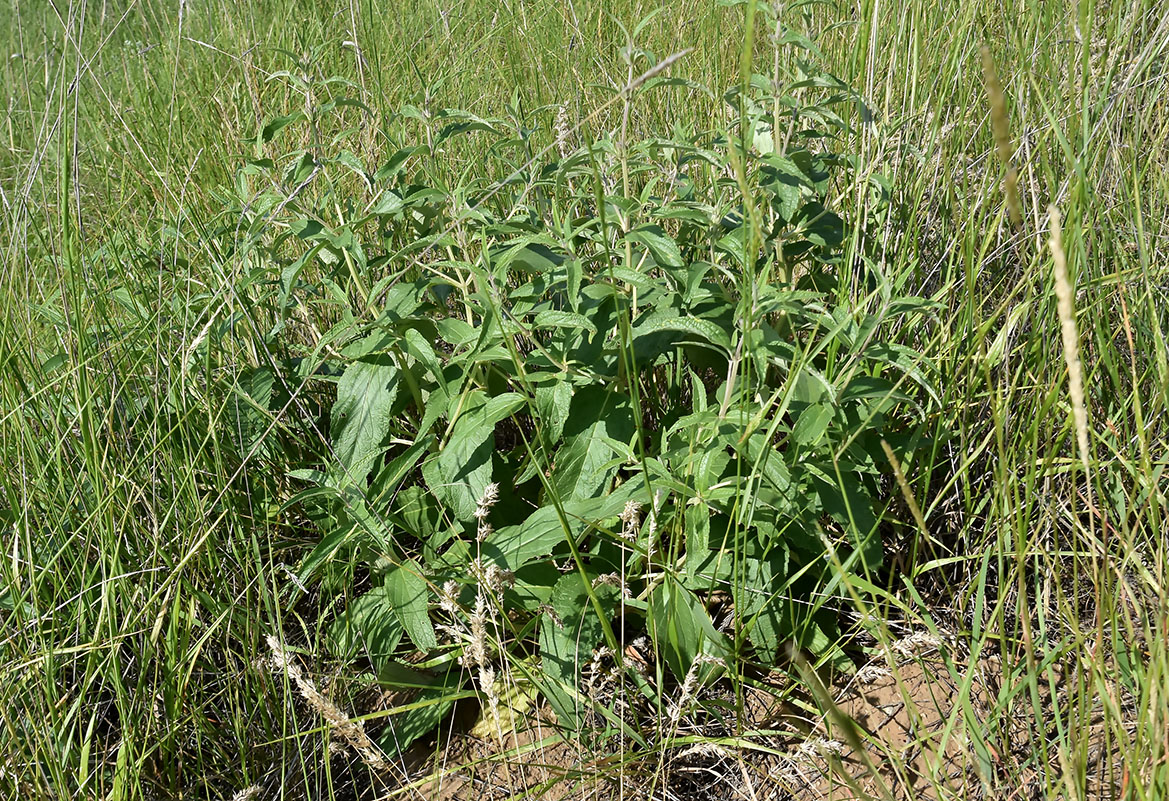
(592, 401)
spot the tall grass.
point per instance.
(144, 556)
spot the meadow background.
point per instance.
(146, 550)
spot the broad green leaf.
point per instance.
(396, 162)
(468, 126)
(278, 124)
(787, 182)
(582, 468)
(870, 388)
(696, 329)
(568, 644)
(573, 276)
(563, 319)
(455, 331)
(660, 245)
(770, 463)
(761, 601)
(418, 347)
(514, 546)
(409, 594)
(368, 626)
(682, 629)
(553, 403)
(848, 503)
(533, 253)
(697, 520)
(909, 361)
(422, 713)
(821, 226)
(419, 511)
(810, 425)
(340, 537)
(707, 466)
(387, 481)
(462, 470)
(811, 386)
(389, 203)
(362, 416)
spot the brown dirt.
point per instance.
(913, 744)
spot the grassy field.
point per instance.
(153, 540)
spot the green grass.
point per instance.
(143, 559)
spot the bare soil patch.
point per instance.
(910, 714)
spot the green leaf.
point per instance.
(563, 319)
(553, 403)
(663, 249)
(696, 328)
(582, 468)
(786, 182)
(423, 713)
(409, 594)
(462, 469)
(913, 364)
(456, 128)
(278, 124)
(390, 477)
(811, 424)
(566, 647)
(389, 203)
(762, 604)
(707, 466)
(367, 626)
(697, 538)
(397, 161)
(770, 463)
(869, 388)
(681, 629)
(418, 511)
(362, 415)
(573, 275)
(337, 539)
(821, 226)
(513, 546)
(847, 502)
(534, 255)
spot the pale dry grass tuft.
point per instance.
(350, 732)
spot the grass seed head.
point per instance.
(1000, 124)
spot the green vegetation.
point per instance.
(363, 366)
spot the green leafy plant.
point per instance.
(585, 401)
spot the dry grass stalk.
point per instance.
(350, 732)
(1065, 302)
(491, 579)
(1000, 124)
(563, 131)
(903, 484)
(690, 686)
(631, 520)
